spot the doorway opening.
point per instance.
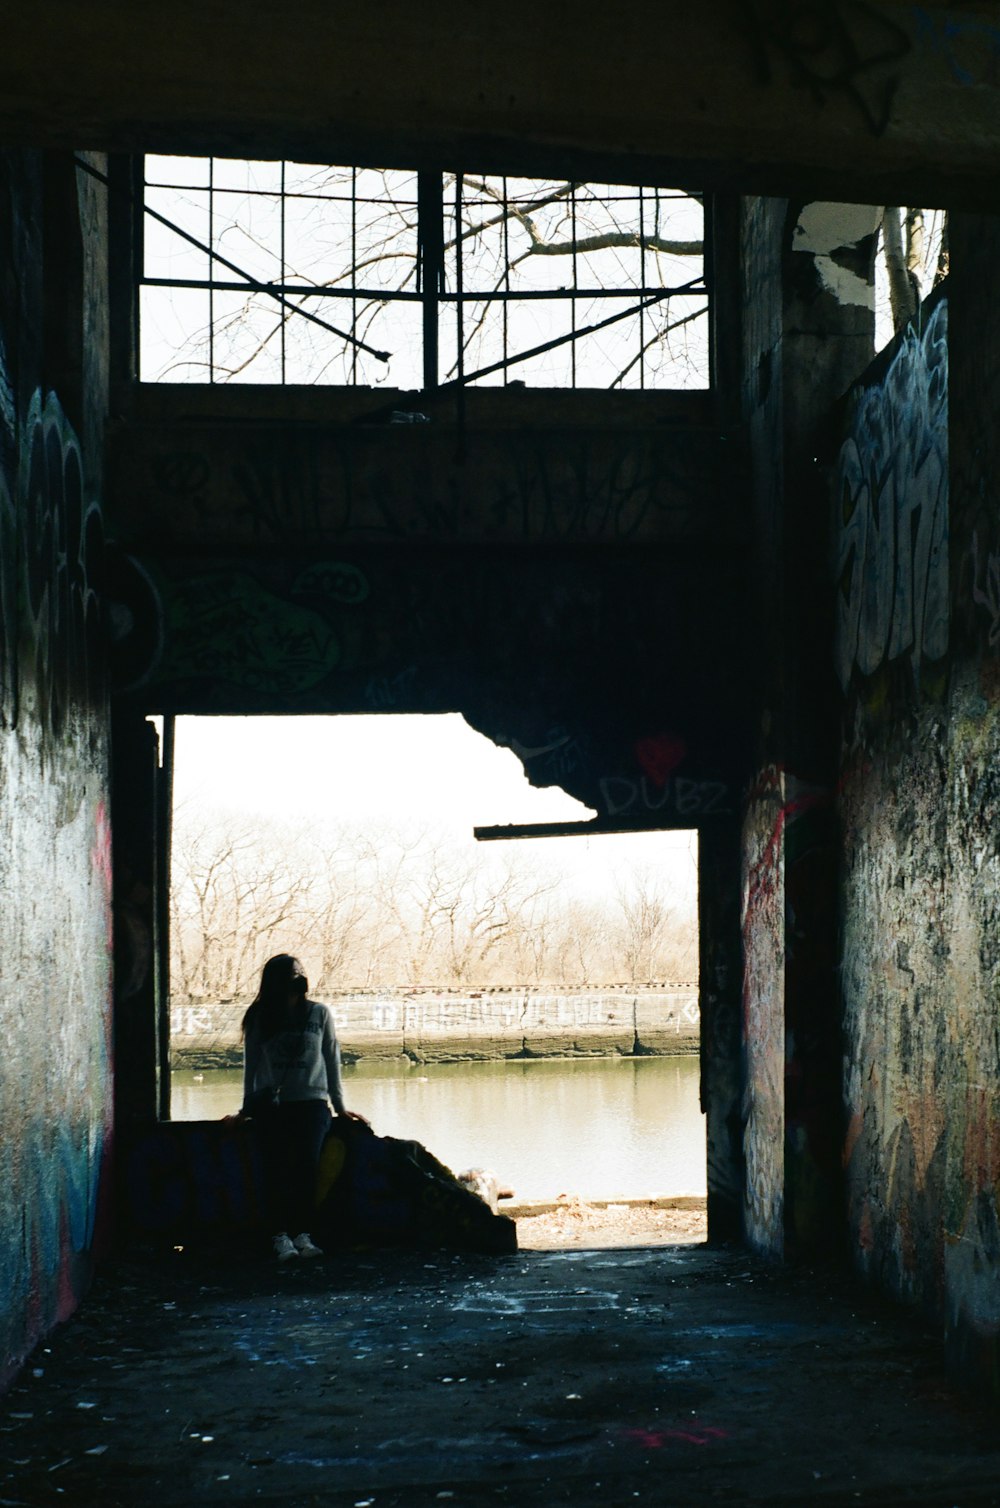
(528, 1006)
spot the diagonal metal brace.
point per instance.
(253, 286)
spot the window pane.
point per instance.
(313, 354)
(516, 234)
(679, 357)
(482, 339)
(534, 323)
(246, 230)
(246, 338)
(238, 173)
(165, 253)
(393, 184)
(611, 356)
(609, 221)
(317, 178)
(676, 219)
(386, 241)
(174, 324)
(397, 328)
(318, 241)
(177, 170)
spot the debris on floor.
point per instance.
(403, 1378)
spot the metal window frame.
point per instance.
(431, 290)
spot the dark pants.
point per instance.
(291, 1138)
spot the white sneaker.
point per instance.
(305, 1246)
(283, 1248)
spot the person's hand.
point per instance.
(236, 1115)
(355, 1115)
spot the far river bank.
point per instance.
(489, 1025)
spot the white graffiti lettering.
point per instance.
(891, 494)
(623, 795)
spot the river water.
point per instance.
(601, 1128)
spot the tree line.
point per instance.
(391, 907)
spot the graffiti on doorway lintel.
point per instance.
(635, 796)
(225, 626)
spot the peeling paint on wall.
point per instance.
(823, 230)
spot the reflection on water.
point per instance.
(599, 1128)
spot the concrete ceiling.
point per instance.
(834, 98)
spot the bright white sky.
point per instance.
(395, 768)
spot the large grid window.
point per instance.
(297, 273)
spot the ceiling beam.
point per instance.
(881, 101)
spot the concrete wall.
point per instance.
(807, 332)
(566, 582)
(433, 1025)
(762, 906)
(849, 100)
(55, 851)
(916, 653)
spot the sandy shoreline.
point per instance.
(572, 1222)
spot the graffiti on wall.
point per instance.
(8, 549)
(891, 515)
(920, 976)
(559, 753)
(654, 788)
(832, 49)
(683, 800)
(51, 543)
(968, 46)
(651, 788)
(55, 973)
(227, 628)
(377, 483)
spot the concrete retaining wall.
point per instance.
(438, 1025)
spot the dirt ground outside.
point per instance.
(570, 1222)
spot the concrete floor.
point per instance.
(676, 1375)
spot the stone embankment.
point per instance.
(431, 1026)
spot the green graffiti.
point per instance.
(227, 627)
(333, 580)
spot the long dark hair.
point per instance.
(268, 1013)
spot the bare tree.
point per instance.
(238, 892)
(384, 908)
(582, 952)
(487, 914)
(914, 252)
(346, 932)
(651, 926)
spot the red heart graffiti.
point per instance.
(659, 756)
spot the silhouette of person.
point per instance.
(291, 1071)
